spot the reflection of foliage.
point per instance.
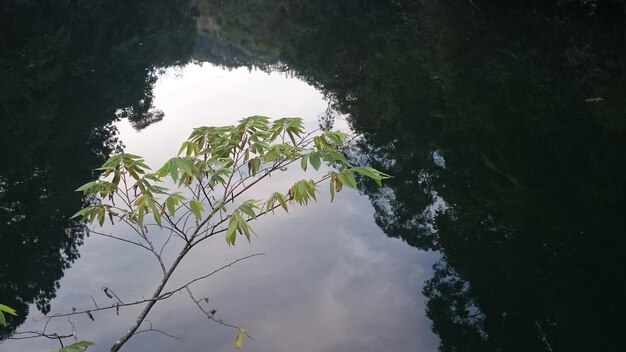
(65, 69)
(522, 106)
(453, 312)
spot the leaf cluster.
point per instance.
(214, 168)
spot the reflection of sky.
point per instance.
(331, 280)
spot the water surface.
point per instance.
(502, 123)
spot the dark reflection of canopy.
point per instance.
(67, 70)
(503, 125)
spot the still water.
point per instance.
(503, 125)
(330, 279)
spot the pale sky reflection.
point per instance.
(331, 280)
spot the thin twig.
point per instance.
(151, 329)
(162, 296)
(119, 239)
(208, 314)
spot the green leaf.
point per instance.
(336, 137)
(347, 178)
(86, 187)
(315, 160)
(141, 211)
(302, 191)
(371, 173)
(173, 169)
(247, 208)
(311, 188)
(255, 165)
(77, 346)
(334, 156)
(7, 309)
(231, 231)
(185, 166)
(282, 201)
(156, 213)
(82, 213)
(338, 184)
(171, 202)
(101, 216)
(304, 161)
(243, 227)
(131, 156)
(196, 208)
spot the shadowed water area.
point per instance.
(502, 123)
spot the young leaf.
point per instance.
(196, 208)
(156, 213)
(101, 216)
(86, 187)
(171, 202)
(282, 201)
(231, 231)
(248, 208)
(243, 227)
(172, 169)
(338, 184)
(372, 173)
(304, 161)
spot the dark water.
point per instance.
(502, 123)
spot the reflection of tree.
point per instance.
(454, 313)
(483, 106)
(66, 70)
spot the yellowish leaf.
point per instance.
(239, 338)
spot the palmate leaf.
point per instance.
(303, 191)
(273, 199)
(237, 224)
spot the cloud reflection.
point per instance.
(331, 280)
